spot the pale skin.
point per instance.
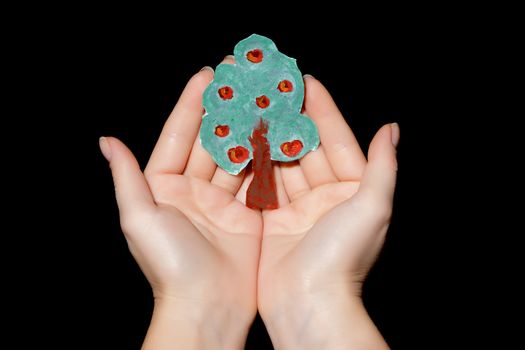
(212, 262)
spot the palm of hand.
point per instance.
(304, 243)
(190, 236)
(207, 236)
(332, 224)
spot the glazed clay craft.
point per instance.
(253, 114)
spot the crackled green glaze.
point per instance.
(263, 83)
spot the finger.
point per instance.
(230, 59)
(241, 193)
(294, 181)
(282, 197)
(132, 191)
(379, 178)
(180, 130)
(316, 168)
(230, 183)
(340, 145)
(200, 164)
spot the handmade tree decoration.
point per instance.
(253, 113)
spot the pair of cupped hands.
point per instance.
(212, 262)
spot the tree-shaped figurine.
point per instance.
(253, 113)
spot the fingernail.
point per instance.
(394, 127)
(308, 76)
(105, 148)
(206, 68)
(229, 57)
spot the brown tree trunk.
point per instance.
(262, 193)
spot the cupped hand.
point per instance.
(334, 212)
(196, 243)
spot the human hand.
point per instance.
(196, 243)
(320, 244)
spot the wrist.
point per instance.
(192, 324)
(328, 320)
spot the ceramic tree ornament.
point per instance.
(253, 114)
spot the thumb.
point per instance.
(131, 189)
(379, 178)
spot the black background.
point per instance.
(123, 81)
